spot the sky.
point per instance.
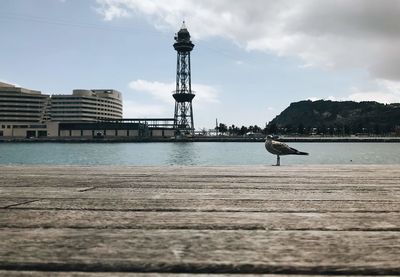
(250, 61)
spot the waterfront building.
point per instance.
(22, 105)
(85, 114)
(87, 106)
(102, 130)
(28, 113)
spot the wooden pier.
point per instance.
(165, 221)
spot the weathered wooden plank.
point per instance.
(193, 172)
(202, 251)
(324, 219)
(13, 273)
(204, 177)
(6, 202)
(240, 183)
(213, 205)
(200, 220)
(13, 202)
(155, 193)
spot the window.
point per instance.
(42, 134)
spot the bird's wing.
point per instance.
(282, 148)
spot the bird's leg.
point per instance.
(278, 160)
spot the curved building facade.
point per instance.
(22, 105)
(87, 106)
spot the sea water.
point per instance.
(193, 153)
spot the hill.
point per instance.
(337, 118)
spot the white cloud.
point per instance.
(205, 94)
(382, 91)
(111, 11)
(385, 92)
(160, 91)
(377, 96)
(204, 104)
(361, 34)
(133, 109)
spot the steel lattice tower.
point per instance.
(183, 95)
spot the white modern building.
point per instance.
(84, 114)
(29, 113)
(87, 106)
(22, 105)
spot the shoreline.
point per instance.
(202, 139)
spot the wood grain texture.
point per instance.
(161, 221)
(200, 220)
(12, 273)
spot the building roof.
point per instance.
(6, 85)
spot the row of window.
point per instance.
(64, 107)
(16, 100)
(3, 111)
(72, 109)
(98, 116)
(23, 126)
(4, 117)
(80, 109)
(23, 96)
(95, 100)
(53, 103)
(40, 100)
(20, 120)
(68, 104)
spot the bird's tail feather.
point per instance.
(301, 153)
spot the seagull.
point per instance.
(279, 148)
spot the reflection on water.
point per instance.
(182, 153)
(194, 153)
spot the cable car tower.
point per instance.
(183, 95)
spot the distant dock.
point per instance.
(200, 139)
(161, 221)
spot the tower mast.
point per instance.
(183, 95)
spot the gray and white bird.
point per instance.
(279, 149)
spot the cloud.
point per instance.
(204, 104)
(111, 10)
(362, 34)
(133, 109)
(385, 92)
(205, 94)
(160, 91)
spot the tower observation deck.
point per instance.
(183, 95)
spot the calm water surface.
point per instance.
(193, 153)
